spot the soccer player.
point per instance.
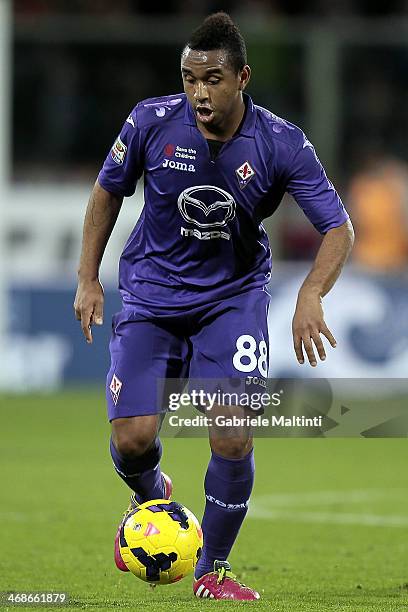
(194, 270)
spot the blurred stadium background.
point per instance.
(71, 71)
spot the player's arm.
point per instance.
(308, 322)
(116, 180)
(315, 194)
(100, 217)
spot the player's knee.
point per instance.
(129, 447)
(133, 439)
(231, 448)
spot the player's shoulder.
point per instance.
(158, 110)
(276, 129)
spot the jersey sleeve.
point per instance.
(313, 191)
(123, 165)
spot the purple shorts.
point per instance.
(227, 339)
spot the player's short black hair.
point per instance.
(218, 31)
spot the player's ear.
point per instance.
(244, 77)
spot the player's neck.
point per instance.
(228, 128)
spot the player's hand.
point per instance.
(88, 306)
(307, 325)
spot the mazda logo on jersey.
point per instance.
(206, 206)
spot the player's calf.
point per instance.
(228, 485)
(136, 452)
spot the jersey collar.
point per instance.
(247, 127)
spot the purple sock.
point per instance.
(228, 485)
(142, 474)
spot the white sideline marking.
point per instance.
(281, 507)
(20, 517)
(346, 518)
(319, 498)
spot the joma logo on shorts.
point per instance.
(204, 235)
(176, 165)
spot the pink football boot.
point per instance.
(223, 584)
(168, 488)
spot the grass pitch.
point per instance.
(327, 529)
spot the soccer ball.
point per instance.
(161, 541)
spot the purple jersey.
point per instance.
(200, 236)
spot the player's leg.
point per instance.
(142, 353)
(228, 485)
(136, 451)
(241, 324)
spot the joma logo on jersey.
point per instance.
(176, 165)
(161, 107)
(244, 173)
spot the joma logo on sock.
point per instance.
(228, 506)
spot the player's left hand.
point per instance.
(307, 325)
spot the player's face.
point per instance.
(213, 88)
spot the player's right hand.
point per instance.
(88, 305)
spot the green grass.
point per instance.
(60, 503)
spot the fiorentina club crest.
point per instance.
(115, 387)
(244, 174)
